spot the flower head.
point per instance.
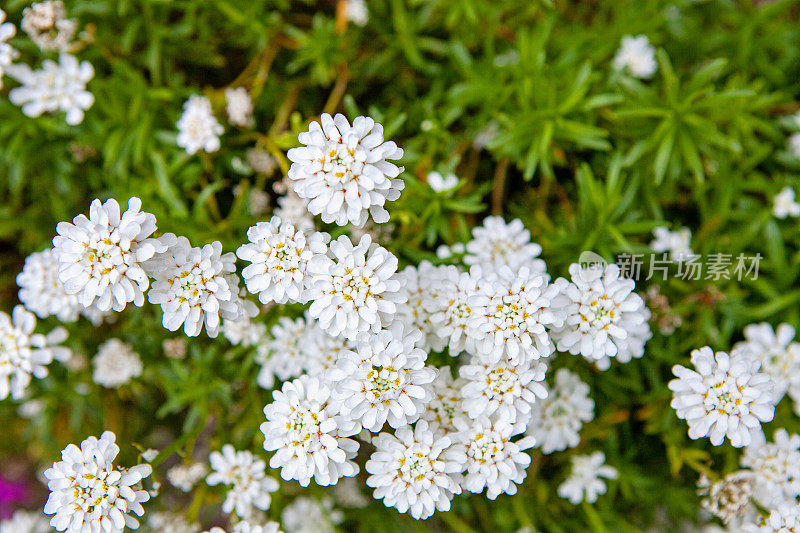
(585, 482)
(385, 380)
(447, 403)
(195, 286)
(102, 257)
(344, 170)
(309, 515)
(46, 24)
(498, 244)
(197, 127)
(55, 87)
(677, 243)
(604, 318)
(728, 498)
(556, 420)
(185, 477)
(774, 350)
(239, 107)
(775, 467)
(307, 434)
(725, 396)
(355, 289)
(88, 493)
(637, 56)
(42, 292)
(116, 364)
(280, 255)
(784, 204)
(502, 389)
(248, 485)
(420, 288)
(509, 315)
(282, 354)
(294, 210)
(24, 353)
(7, 52)
(414, 470)
(440, 183)
(451, 314)
(492, 461)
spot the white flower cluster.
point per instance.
(55, 87)
(24, 353)
(7, 52)
(116, 364)
(677, 243)
(249, 487)
(46, 24)
(724, 396)
(344, 170)
(586, 480)
(197, 127)
(87, 493)
(435, 436)
(637, 56)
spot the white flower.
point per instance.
(170, 523)
(604, 317)
(347, 493)
(450, 312)
(502, 389)
(239, 107)
(46, 24)
(344, 172)
(261, 161)
(491, 460)
(509, 315)
(307, 433)
(308, 515)
(244, 474)
(185, 477)
(116, 364)
(355, 289)
(244, 332)
(197, 127)
(556, 421)
(88, 494)
(446, 405)
(784, 519)
(415, 470)
(585, 482)
(440, 183)
(793, 145)
(320, 350)
(280, 255)
(102, 256)
(357, 12)
(785, 204)
(637, 55)
(282, 354)
(724, 396)
(775, 467)
(24, 353)
(41, 291)
(25, 522)
(385, 380)
(7, 52)
(496, 244)
(728, 498)
(56, 86)
(195, 286)
(774, 350)
(419, 286)
(294, 210)
(677, 243)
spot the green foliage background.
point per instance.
(588, 158)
